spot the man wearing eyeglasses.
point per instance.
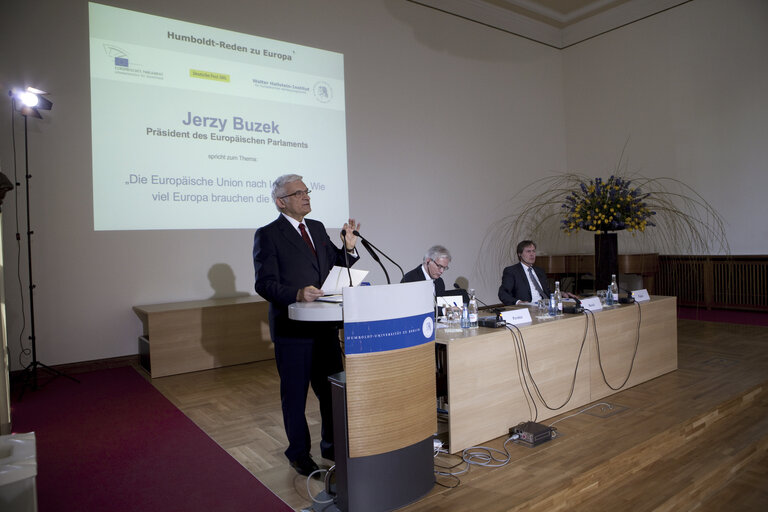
(436, 261)
(292, 256)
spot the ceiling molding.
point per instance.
(562, 18)
(500, 18)
(616, 17)
(594, 18)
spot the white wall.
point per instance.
(446, 120)
(688, 91)
(442, 116)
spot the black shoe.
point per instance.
(304, 465)
(328, 453)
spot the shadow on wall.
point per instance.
(222, 280)
(462, 281)
(483, 301)
(237, 330)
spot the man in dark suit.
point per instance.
(436, 261)
(292, 256)
(523, 282)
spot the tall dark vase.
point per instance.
(606, 259)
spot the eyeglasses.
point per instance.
(299, 193)
(441, 267)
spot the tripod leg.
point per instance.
(27, 374)
(30, 373)
(56, 372)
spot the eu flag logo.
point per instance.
(121, 61)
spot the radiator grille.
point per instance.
(740, 283)
(722, 282)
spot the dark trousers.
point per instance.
(301, 365)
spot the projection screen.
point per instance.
(190, 124)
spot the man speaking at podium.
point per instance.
(292, 256)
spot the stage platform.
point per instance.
(696, 436)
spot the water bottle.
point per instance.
(558, 298)
(552, 305)
(609, 296)
(472, 309)
(465, 317)
(614, 289)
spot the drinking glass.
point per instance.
(453, 316)
(601, 296)
(543, 309)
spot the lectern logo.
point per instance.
(428, 327)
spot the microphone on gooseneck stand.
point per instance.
(346, 256)
(456, 285)
(357, 234)
(629, 299)
(576, 309)
(495, 311)
(375, 257)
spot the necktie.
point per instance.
(536, 283)
(306, 238)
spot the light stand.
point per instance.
(28, 103)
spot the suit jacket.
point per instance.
(283, 263)
(417, 274)
(515, 285)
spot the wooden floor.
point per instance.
(694, 439)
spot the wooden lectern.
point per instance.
(384, 404)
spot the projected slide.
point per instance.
(191, 123)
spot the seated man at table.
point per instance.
(523, 282)
(436, 261)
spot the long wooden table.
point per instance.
(485, 393)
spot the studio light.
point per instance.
(29, 101)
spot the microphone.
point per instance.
(357, 234)
(375, 257)
(465, 294)
(486, 321)
(574, 310)
(491, 309)
(629, 299)
(346, 255)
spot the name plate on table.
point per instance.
(641, 295)
(591, 303)
(517, 316)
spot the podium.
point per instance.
(384, 403)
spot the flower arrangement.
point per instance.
(602, 206)
(685, 223)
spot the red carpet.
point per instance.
(113, 442)
(723, 315)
